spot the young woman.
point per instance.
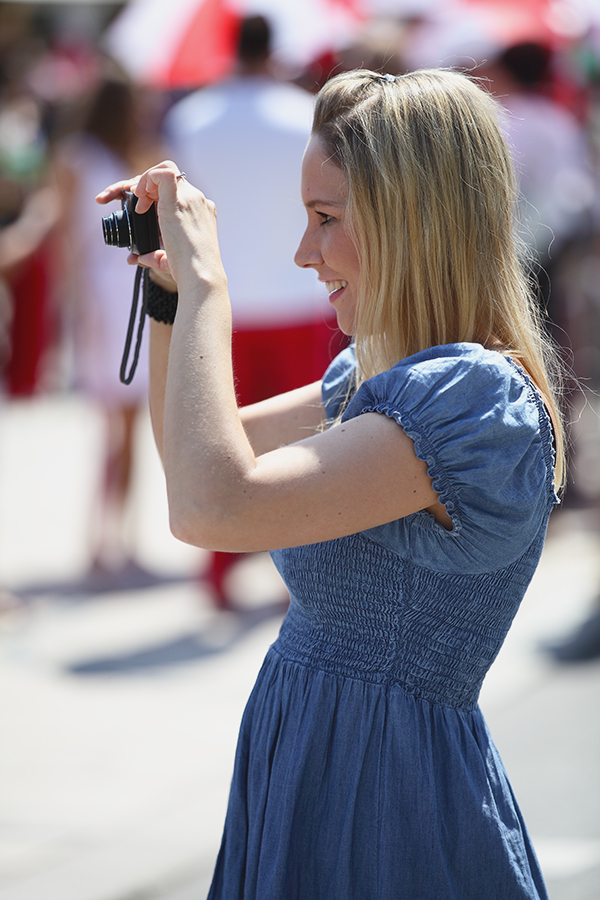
(411, 488)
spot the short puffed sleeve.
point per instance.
(481, 427)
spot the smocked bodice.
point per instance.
(358, 610)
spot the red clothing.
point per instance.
(275, 360)
(32, 329)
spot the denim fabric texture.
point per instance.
(364, 768)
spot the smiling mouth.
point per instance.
(333, 286)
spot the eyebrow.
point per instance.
(312, 203)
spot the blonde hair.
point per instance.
(431, 205)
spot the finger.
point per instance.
(145, 187)
(156, 260)
(144, 203)
(158, 181)
(114, 191)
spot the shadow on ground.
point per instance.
(130, 577)
(220, 637)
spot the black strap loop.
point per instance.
(127, 379)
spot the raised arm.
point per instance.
(224, 492)
(268, 425)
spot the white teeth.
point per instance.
(335, 285)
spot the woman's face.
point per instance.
(326, 245)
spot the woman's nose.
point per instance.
(308, 254)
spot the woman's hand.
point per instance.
(157, 260)
(187, 223)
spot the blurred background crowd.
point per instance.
(92, 92)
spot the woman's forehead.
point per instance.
(322, 180)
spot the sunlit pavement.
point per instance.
(119, 710)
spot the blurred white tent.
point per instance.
(182, 43)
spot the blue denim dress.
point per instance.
(364, 769)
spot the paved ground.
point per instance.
(119, 710)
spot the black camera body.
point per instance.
(137, 232)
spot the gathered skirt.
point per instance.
(351, 790)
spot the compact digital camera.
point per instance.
(139, 233)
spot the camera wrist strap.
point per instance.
(127, 378)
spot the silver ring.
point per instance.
(181, 175)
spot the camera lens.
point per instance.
(116, 229)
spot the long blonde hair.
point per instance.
(431, 206)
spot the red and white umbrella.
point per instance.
(185, 43)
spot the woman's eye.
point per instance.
(326, 218)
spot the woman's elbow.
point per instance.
(209, 530)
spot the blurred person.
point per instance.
(23, 234)
(552, 158)
(115, 138)
(27, 214)
(411, 488)
(19, 241)
(21, 238)
(243, 141)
